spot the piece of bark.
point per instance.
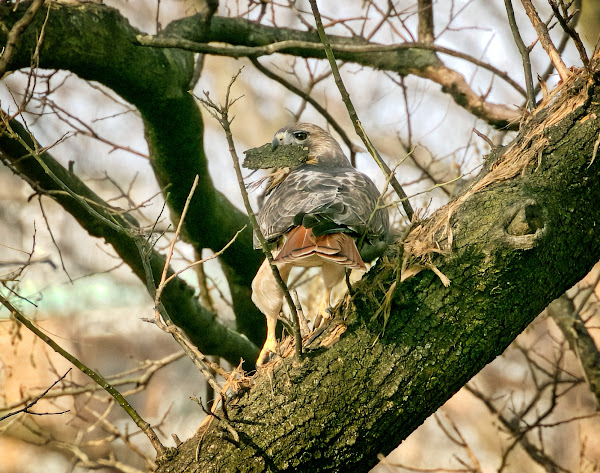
(285, 156)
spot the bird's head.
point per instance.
(322, 147)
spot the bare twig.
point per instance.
(15, 33)
(387, 463)
(524, 50)
(54, 242)
(148, 369)
(511, 424)
(573, 21)
(221, 114)
(35, 152)
(166, 324)
(563, 312)
(569, 30)
(101, 381)
(34, 401)
(354, 116)
(545, 40)
(283, 46)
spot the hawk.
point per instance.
(314, 214)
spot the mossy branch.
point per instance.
(221, 114)
(360, 131)
(94, 375)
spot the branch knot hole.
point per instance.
(527, 224)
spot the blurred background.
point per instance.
(530, 410)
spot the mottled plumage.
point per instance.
(342, 196)
(314, 214)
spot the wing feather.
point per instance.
(342, 196)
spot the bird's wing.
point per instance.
(327, 199)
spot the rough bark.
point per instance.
(517, 244)
(420, 59)
(97, 43)
(201, 325)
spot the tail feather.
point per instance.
(339, 248)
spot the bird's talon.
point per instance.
(264, 357)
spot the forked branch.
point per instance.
(360, 131)
(221, 114)
(94, 375)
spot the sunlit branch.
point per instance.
(94, 375)
(354, 116)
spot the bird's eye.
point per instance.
(300, 135)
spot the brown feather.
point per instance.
(301, 244)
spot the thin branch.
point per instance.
(35, 401)
(524, 50)
(425, 28)
(564, 23)
(221, 114)
(161, 317)
(35, 153)
(287, 45)
(54, 242)
(163, 276)
(563, 312)
(354, 116)
(148, 369)
(202, 326)
(101, 381)
(512, 426)
(545, 40)
(15, 33)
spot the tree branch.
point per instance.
(573, 328)
(103, 48)
(15, 33)
(201, 326)
(221, 114)
(524, 50)
(545, 40)
(98, 379)
(387, 172)
(532, 228)
(425, 29)
(35, 400)
(405, 59)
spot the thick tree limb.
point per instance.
(253, 39)
(100, 45)
(200, 325)
(563, 312)
(97, 43)
(15, 33)
(518, 243)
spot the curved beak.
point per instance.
(274, 144)
(277, 140)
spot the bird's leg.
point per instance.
(332, 274)
(268, 297)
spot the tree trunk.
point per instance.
(518, 242)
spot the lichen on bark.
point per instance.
(346, 403)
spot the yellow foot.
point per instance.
(268, 350)
(321, 317)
